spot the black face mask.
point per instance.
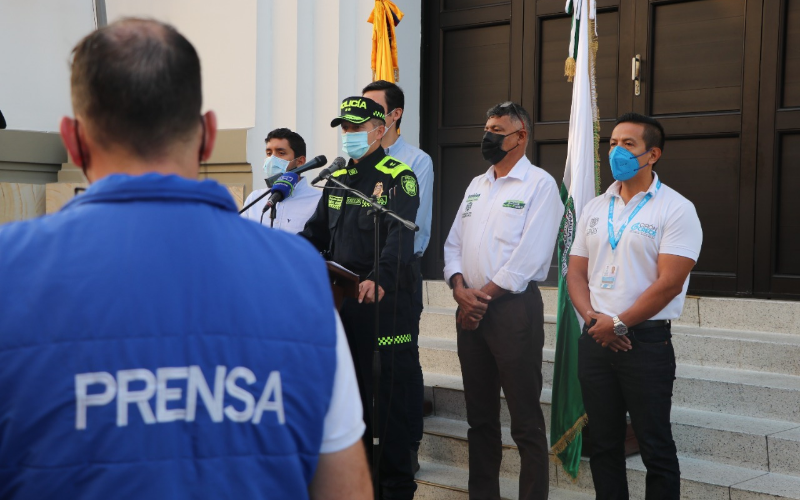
(492, 147)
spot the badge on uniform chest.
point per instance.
(609, 279)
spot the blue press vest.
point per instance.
(154, 287)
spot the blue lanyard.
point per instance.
(611, 239)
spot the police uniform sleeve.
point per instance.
(344, 423)
(405, 202)
(316, 229)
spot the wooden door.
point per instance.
(699, 72)
(723, 76)
(777, 231)
(472, 52)
(699, 76)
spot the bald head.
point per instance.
(137, 85)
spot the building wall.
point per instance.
(36, 37)
(224, 35)
(313, 53)
(266, 63)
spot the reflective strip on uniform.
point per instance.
(391, 166)
(400, 339)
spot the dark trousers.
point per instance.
(415, 388)
(506, 351)
(638, 382)
(396, 477)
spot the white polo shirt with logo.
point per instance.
(667, 224)
(505, 229)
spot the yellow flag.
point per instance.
(384, 17)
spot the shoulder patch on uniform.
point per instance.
(391, 166)
(409, 184)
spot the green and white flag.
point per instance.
(581, 184)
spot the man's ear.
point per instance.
(75, 145)
(299, 161)
(523, 136)
(655, 155)
(210, 130)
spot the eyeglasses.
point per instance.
(515, 110)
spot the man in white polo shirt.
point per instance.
(500, 245)
(286, 150)
(628, 274)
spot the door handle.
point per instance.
(636, 64)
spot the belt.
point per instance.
(650, 323)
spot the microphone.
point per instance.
(337, 164)
(282, 188)
(316, 162)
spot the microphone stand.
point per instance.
(376, 211)
(272, 211)
(255, 201)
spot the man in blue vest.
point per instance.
(136, 357)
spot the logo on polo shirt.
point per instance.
(644, 229)
(592, 229)
(467, 209)
(517, 204)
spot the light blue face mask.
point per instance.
(355, 145)
(275, 166)
(623, 163)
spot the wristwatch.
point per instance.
(620, 328)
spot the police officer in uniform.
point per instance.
(343, 228)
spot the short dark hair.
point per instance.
(138, 83)
(393, 94)
(296, 142)
(512, 110)
(653, 131)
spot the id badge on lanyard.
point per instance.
(609, 279)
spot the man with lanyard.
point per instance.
(391, 97)
(286, 151)
(628, 274)
(501, 243)
(343, 228)
(137, 358)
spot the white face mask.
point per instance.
(275, 166)
(355, 144)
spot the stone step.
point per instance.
(723, 390)
(757, 351)
(725, 439)
(441, 482)
(445, 444)
(784, 452)
(750, 315)
(700, 479)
